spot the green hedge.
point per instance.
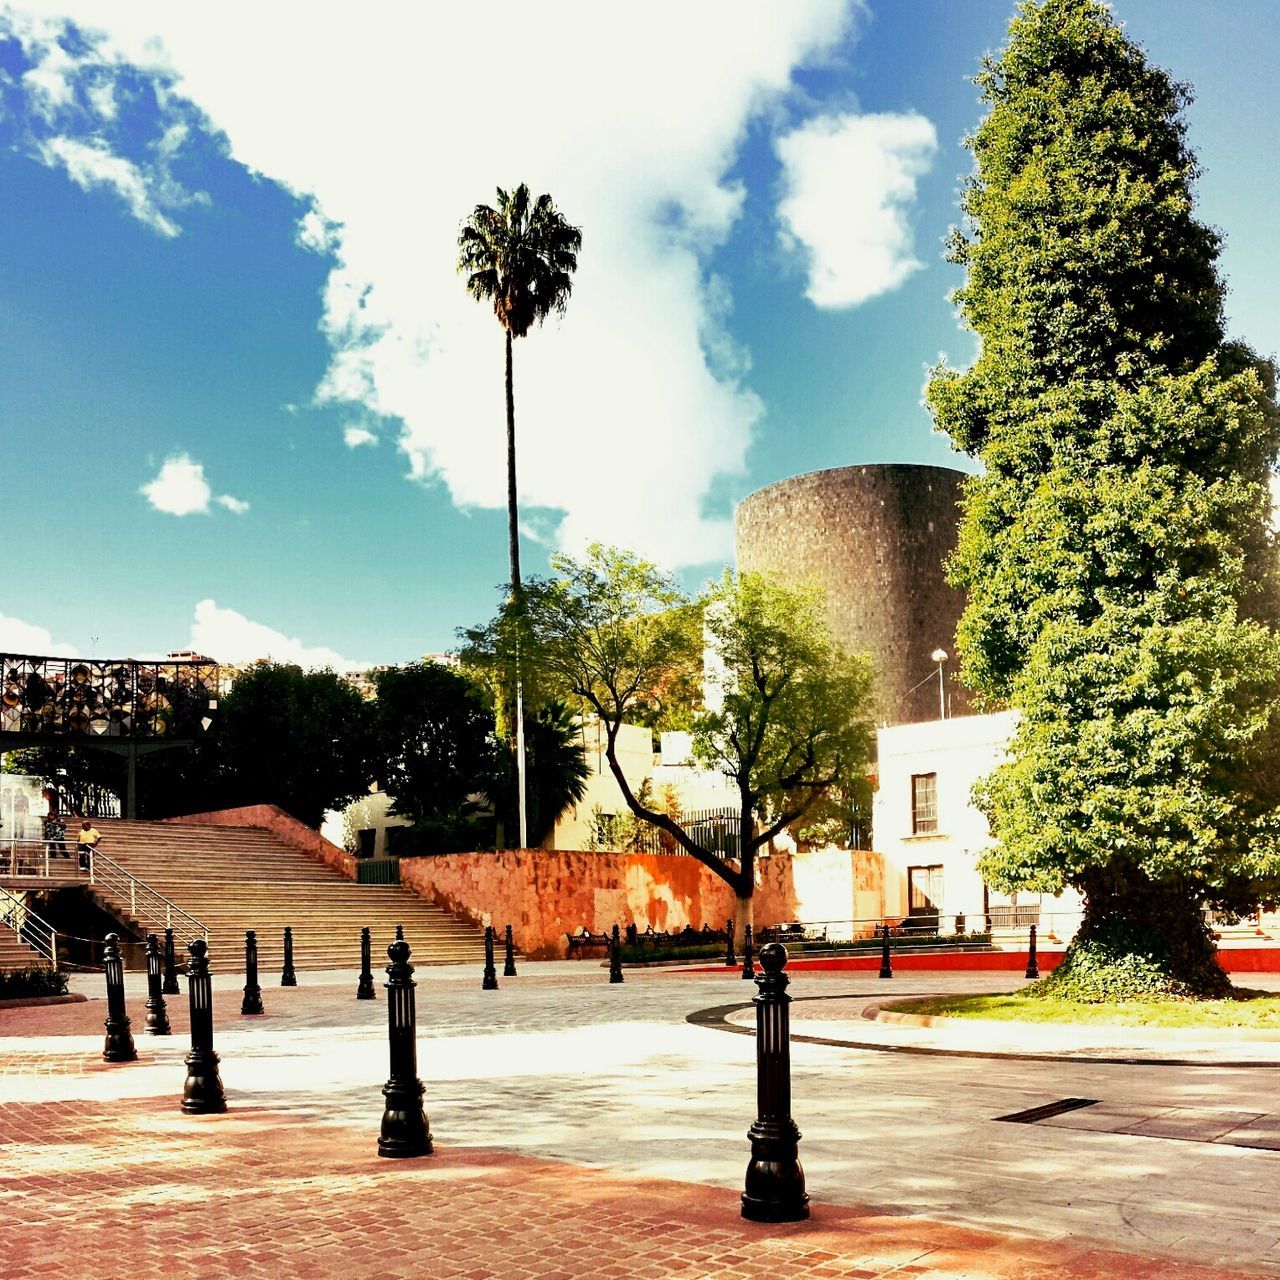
(35, 980)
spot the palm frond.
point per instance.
(520, 256)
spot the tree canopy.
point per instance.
(1116, 549)
(786, 720)
(435, 752)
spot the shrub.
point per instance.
(34, 980)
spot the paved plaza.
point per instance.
(584, 1129)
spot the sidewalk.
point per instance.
(148, 1192)
(585, 1130)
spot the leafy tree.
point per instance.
(1121, 576)
(788, 715)
(520, 258)
(298, 739)
(435, 753)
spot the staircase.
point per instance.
(15, 954)
(237, 878)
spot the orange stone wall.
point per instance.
(546, 894)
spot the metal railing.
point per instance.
(944, 924)
(150, 909)
(31, 928)
(378, 871)
(37, 857)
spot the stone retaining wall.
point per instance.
(545, 895)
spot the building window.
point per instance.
(924, 804)
(924, 891)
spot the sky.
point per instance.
(247, 406)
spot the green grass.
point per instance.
(1247, 1008)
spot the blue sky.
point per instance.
(247, 406)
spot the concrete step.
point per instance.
(233, 879)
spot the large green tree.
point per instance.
(435, 753)
(298, 739)
(787, 714)
(1116, 548)
(519, 258)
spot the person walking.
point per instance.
(87, 840)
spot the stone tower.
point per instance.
(875, 538)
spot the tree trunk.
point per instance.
(1140, 939)
(513, 513)
(743, 915)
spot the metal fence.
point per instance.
(44, 697)
(716, 830)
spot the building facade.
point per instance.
(931, 834)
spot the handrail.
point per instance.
(33, 857)
(31, 928)
(153, 910)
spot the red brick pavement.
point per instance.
(135, 1189)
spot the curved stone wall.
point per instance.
(875, 538)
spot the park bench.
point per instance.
(583, 939)
(796, 932)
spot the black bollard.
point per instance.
(202, 1094)
(730, 958)
(1033, 967)
(364, 988)
(157, 1022)
(170, 987)
(509, 960)
(404, 1123)
(886, 964)
(119, 1043)
(775, 1181)
(252, 1002)
(615, 956)
(490, 982)
(399, 933)
(748, 962)
(287, 976)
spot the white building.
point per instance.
(931, 834)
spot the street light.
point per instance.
(940, 656)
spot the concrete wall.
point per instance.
(875, 537)
(342, 826)
(545, 895)
(573, 830)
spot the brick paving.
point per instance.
(145, 1191)
(556, 1104)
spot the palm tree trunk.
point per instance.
(513, 515)
(513, 546)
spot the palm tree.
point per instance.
(520, 257)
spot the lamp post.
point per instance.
(940, 656)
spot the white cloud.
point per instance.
(849, 182)
(17, 636)
(354, 437)
(180, 489)
(230, 637)
(632, 410)
(92, 164)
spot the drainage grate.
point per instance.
(1035, 1114)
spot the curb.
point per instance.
(894, 1014)
(28, 1002)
